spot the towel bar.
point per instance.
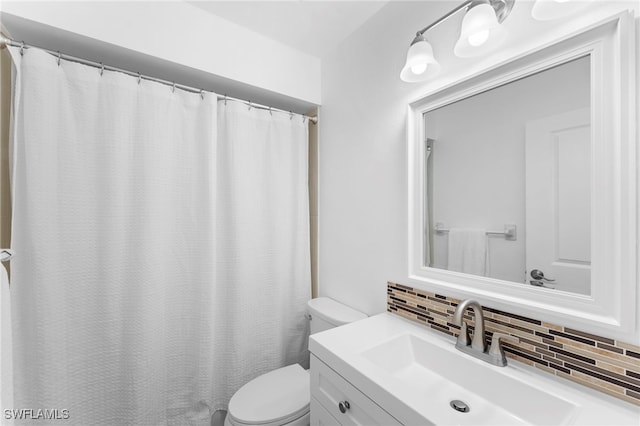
(509, 233)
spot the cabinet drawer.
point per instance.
(320, 416)
(330, 389)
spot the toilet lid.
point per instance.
(275, 397)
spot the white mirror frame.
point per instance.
(612, 308)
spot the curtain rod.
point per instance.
(22, 45)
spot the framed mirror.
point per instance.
(523, 185)
(520, 210)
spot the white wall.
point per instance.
(174, 32)
(363, 165)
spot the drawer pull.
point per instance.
(343, 406)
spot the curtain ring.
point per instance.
(101, 69)
(59, 56)
(270, 112)
(290, 115)
(173, 88)
(250, 105)
(22, 49)
(225, 100)
(139, 78)
(202, 94)
(304, 118)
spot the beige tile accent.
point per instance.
(529, 325)
(628, 346)
(523, 360)
(579, 345)
(610, 367)
(616, 359)
(612, 387)
(599, 388)
(551, 326)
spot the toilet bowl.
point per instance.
(281, 397)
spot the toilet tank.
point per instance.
(325, 313)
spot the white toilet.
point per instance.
(281, 397)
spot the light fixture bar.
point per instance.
(502, 8)
(445, 17)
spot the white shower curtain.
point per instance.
(128, 308)
(263, 225)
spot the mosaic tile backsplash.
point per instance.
(607, 365)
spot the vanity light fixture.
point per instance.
(420, 64)
(546, 10)
(481, 31)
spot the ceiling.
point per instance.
(315, 27)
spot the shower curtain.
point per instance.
(263, 225)
(151, 277)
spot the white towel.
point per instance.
(468, 251)
(6, 358)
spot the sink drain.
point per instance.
(460, 406)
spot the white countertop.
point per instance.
(408, 400)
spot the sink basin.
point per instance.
(443, 376)
(415, 373)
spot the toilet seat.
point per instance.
(275, 398)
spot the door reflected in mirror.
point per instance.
(508, 181)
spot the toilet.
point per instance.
(281, 397)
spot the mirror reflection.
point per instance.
(508, 178)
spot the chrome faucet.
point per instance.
(479, 343)
(478, 346)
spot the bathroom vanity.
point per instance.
(387, 370)
(336, 401)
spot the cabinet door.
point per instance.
(320, 416)
(343, 401)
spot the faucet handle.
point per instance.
(496, 350)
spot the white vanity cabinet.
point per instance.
(335, 401)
